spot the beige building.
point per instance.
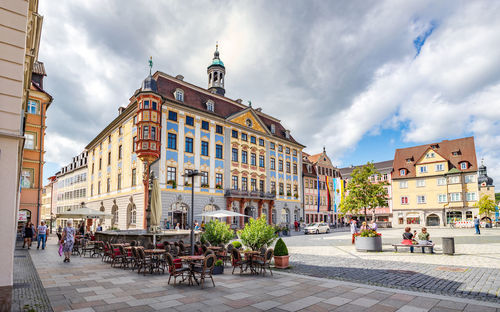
(435, 184)
(20, 30)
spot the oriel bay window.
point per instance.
(244, 184)
(145, 132)
(153, 133)
(204, 148)
(189, 145)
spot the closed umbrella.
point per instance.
(155, 204)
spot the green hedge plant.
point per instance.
(217, 232)
(280, 248)
(257, 233)
(237, 244)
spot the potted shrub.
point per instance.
(217, 232)
(368, 240)
(281, 257)
(257, 233)
(219, 267)
(237, 244)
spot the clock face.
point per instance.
(249, 122)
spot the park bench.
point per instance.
(430, 246)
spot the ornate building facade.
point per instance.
(247, 160)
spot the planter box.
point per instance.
(368, 243)
(281, 262)
(218, 270)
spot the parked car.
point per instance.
(317, 228)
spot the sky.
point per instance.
(361, 78)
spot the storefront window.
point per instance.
(413, 220)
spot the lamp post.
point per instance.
(192, 174)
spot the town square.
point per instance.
(249, 156)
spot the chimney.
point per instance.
(120, 110)
(179, 77)
(259, 109)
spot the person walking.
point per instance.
(476, 225)
(296, 225)
(28, 234)
(68, 240)
(42, 235)
(354, 230)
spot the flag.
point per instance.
(334, 195)
(328, 195)
(319, 198)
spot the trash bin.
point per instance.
(448, 245)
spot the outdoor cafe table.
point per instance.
(214, 248)
(190, 261)
(250, 255)
(155, 253)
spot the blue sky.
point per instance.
(359, 77)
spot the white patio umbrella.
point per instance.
(84, 213)
(222, 214)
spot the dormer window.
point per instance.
(179, 95)
(248, 122)
(210, 106)
(435, 146)
(408, 160)
(273, 129)
(402, 172)
(456, 153)
(463, 165)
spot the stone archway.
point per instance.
(432, 220)
(208, 208)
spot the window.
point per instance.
(171, 175)
(153, 133)
(218, 180)
(210, 106)
(134, 144)
(244, 184)
(287, 150)
(119, 187)
(454, 197)
(30, 142)
(441, 181)
(92, 168)
(218, 129)
(261, 161)
(172, 141)
(273, 146)
(33, 107)
(235, 182)
(120, 152)
(108, 185)
(261, 186)
(234, 134)
(287, 167)
(109, 139)
(280, 148)
(154, 105)
(253, 159)
(172, 116)
(294, 168)
(423, 169)
(420, 183)
(281, 189)
(253, 185)
(205, 125)
(235, 154)
(27, 178)
(468, 215)
(120, 131)
(109, 158)
(261, 142)
(187, 180)
(442, 198)
(403, 184)
(421, 199)
(404, 200)
(204, 148)
(179, 95)
(218, 151)
(280, 165)
(454, 179)
(204, 179)
(135, 120)
(244, 157)
(134, 177)
(273, 164)
(296, 190)
(470, 178)
(99, 187)
(439, 167)
(145, 132)
(244, 136)
(463, 165)
(189, 145)
(471, 196)
(385, 176)
(189, 121)
(146, 104)
(273, 187)
(100, 163)
(402, 172)
(253, 140)
(430, 155)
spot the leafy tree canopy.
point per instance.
(486, 205)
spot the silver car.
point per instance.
(317, 228)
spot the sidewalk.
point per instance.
(88, 284)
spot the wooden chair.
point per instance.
(237, 261)
(118, 257)
(145, 262)
(173, 271)
(206, 270)
(266, 261)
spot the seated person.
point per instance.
(424, 237)
(363, 226)
(408, 238)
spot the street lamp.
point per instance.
(192, 174)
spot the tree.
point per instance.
(257, 233)
(363, 195)
(217, 232)
(486, 205)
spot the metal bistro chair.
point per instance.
(266, 261)
(237, 261)
(173, 271)
(206, 270)
(145, 262)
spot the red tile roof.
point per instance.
(196, 97)
(465, 147)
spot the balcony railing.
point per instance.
(250, 194)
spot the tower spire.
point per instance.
(150, 64)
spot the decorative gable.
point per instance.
(249, 119)
(430, 156)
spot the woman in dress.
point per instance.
(28, 234)
(68, 239)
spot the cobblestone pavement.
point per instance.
(28, 293)
(88, 284)
(474, 272)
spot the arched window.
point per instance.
(209, 208)
(179, 95)
(210, 105)
(273, 217)
(131, 213)
(285, 216)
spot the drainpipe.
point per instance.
(42, 130)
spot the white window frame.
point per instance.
(210, 106)
(407, 200)
(439, 167)
(423, 169)
(420, 182)
(470, 178)
(463, 165)
(402, 172)
(179, 95)
(421, 199)
(471, 196)
(455, 197)
(403, 184)
(441, 179)
(442, 198)
(454, 180)
(30, 138)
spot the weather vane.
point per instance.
(150, 64)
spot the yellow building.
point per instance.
(435, 184)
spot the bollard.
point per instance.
(448, 245)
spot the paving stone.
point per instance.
(301, 303)
(338, 301)
(408, 308)
(266, 305)
(365, 302)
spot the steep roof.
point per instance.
(314, 158)
(196, 97)
(381, 165)
(464, 146)
(306, 163)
